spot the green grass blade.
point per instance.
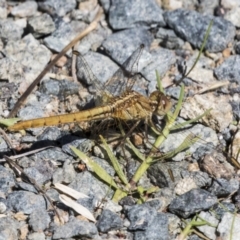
(187, 142)
(159, 83)
(98, 170)
(114, 162)
(135, 150)
(9, 122)
(181, 125)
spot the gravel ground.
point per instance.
(205, 184)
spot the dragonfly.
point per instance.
(125, 104)
(117, 99)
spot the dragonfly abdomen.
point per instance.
(86, 115)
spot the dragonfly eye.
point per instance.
(161, 103)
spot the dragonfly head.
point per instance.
(160, 102)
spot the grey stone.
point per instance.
(141, 217)
(26, 202)
(128, 201)
(105, 4)
(157, 230)
(65, 33)
(53, 194)
(50, 133)
(221, 208)
(65, 174)
(24, 60)
(3, 9)
(62, 89)
(41, 172)
(229, 69)
(57, 176)
(36, 236)
(174, 224)
(30, 112)
(52, 153)
(27, 187)
(91, 203)
(208, 7)
(34, 173)
(3, 145)
(6, 180)
(3, 205)
(101, 66)
(130, 13)
(154, 203)
(86, 183)
(25, 9)
(161, 61)
(233, 16)
(205, 134)
(237, 48)
(191, 26)
(200, 178)
(39, 220)
(93, 40)
(41, 25)
(58, 7)
(83, 145)
(192, 202)
(223, 188)
(29, 139)
(208, 231)
(159, 175)
(9, 30)
(75, 228)
(236, 106)
(109, 220)
(8, 229)
(169, 39)
(229, 226)
(128, 40)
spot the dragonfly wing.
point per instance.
(85, 73)
(125, 77)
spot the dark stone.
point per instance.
(26, 202)
(59, 7)
(157, 230)
(6, 179)
(8, 228)
(128, 40)
(237, 48)
(194, 201)
(41, 25)
(141, 217)
(52, 153)
(128, 201)
(229, 70)
(62, 89)
(192, 26)
(75, 228)
(50, 133)
(109, 220)
(131, 13)
(223, 188)
(39, 220)
(169, 39)
(221, 208)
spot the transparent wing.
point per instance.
(126, 76)
(86, 74)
